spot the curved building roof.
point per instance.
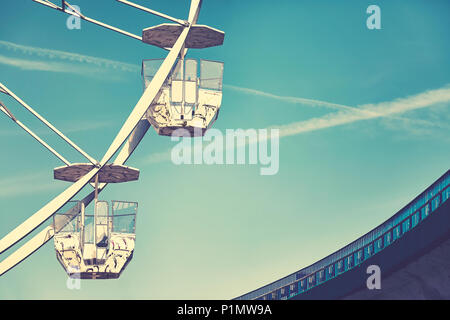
(362, 250)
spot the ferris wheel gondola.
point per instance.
(95, 243)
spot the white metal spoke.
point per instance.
(26, 250)
(49, 125)
(3, 91)
(5, 110)
(35, 136)
(156, 13)
(101, 24)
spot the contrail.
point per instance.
(320, 103)
(71, 57)
(384, 109)
(310, 102)
(423, 100)
(126, 67)
(52, 66)
(346, 114)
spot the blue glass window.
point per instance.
(303, 285)
(406, 225)
(330, 271)
(388, 238)
(321, 276)
(397, 232)
(349, 262)
(425, 211)
(284, 291)
(415, 219)
(445, 194)
(378, 244)
(311, 281)
(368, 251)
(340, 266)
(359, 256)
(435, 202)
(293, 289)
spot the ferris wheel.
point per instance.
(182, 96)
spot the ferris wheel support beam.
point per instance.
(129, 126)
(31, 133)
(45, 212)
(6, 111)
(48, 124)
(26, 250)
(194, 11)
(184, 23)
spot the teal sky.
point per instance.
(218, 231)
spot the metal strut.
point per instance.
(48, 124)
(31, 133)
(184, 23)
(78, 14)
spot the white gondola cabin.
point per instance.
(187, 100)
(95, 244)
